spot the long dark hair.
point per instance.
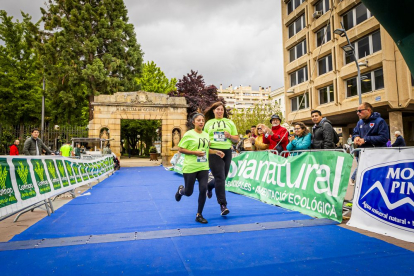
(302, 126)
(209, 114)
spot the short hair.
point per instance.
(248, 131)
(35, 129)
(368, 106)
(398, 132)
(316, 111)
(253, 126)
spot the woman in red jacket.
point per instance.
(13, 148)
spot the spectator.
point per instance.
(253, 132)
(370, 131)
(66, 150)
(34, 145)
(13, 148)
(350, 143)
(399, 142)
(323, 132)
(302, 139)
(78, 150)
(277, 137)
(248, 134)
(258, 141)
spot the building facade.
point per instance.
(242, 97)
(319, 75)
(278, 97)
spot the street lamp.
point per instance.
(350, 50)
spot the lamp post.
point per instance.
(349, 50)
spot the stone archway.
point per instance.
(109, 110)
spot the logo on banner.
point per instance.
(387, 193)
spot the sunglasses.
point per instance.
(259, 128)
(360, 110)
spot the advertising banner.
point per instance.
(313, 183)
(384, 193)
(26, 180)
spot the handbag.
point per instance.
(247, 144)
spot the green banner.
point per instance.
(40, 175)
(23, 178)
(71, 173)
(313, 183)
(54, 177)
(178, 167)
(84, 171)
(7, 195)
(76, 169)
(62, 172)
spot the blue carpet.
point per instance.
(142, 199)
(319, 250)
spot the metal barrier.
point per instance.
(297, 152)
(235, 153)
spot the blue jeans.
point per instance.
(355, 171)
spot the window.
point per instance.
(326, 94)
(300, 102)
(365, 46)
(297, 26)
(299, 76)
(355, 16)
(298, 50)
(371, 81)
(325, 65)
(292, 5)
(323, 36)
(322, 5)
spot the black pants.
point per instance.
(220, 169)
(189, 180)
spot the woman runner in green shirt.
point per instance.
(222, 132)
(195, 146)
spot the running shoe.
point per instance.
(224, 210)
(200, 219)
(209, 193)
(177, 194)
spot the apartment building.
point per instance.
(241, 97)
(278, 97)
(319, 75)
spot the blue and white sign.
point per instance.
(384, 195)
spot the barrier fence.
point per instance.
(29, 181)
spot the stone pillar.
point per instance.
(396, 123)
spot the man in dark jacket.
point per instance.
(35, 146)
(371, 130)
(322, 132)
(399, 142)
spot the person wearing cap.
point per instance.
(277, 137)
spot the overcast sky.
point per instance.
(235, 42)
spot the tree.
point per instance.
(259, 114)
(146, 129)
(199, 96)
(154, 80)
(20, 78)
(88, 48)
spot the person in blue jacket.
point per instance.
(399, 142)
(302, 139)
(370, 131)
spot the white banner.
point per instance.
(384, 193)
(27, 180)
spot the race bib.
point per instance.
(219, 136)
(202, 158)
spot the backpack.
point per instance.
(335, 135)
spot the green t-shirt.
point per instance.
(66, 150)
(215, 129)
(195, 141)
